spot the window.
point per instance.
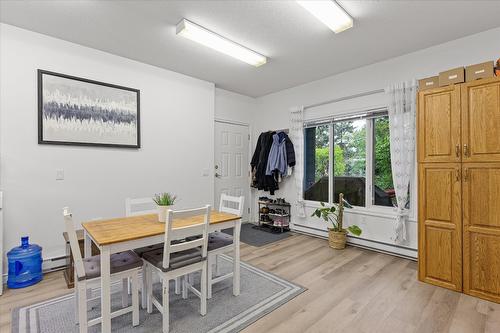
(383, 188)
(356, 150)
(349, 163)
(317, 163)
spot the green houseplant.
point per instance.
(334, 215)
(164, 202)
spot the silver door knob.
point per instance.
(217, 175)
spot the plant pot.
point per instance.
(337, 239)
(162, 213)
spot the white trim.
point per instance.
(229, 121)
(369, 163)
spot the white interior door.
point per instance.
(231, 162)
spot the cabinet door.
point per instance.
(481, 120)
(440, 225)
(481, 207)
(439, 125)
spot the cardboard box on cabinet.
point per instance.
(452, 76)
(428, 83)
(479, 71)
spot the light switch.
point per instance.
(59, 174)
(206, 172)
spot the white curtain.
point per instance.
(402, 116)
(297, 137)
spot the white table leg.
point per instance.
(209, 276)
(105, 290)
(125, 286)
(144, 286)
(87, 244)
(135, 299)
(236, 258)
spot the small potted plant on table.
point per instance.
(337, 235)
(164, 202)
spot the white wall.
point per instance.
(177, 129)
(273, 111)
(230, 106)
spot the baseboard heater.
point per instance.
(54, 264)
(367, 247)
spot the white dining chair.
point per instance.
(143, 206)
(178, 259)
(124, 265)
(219, 242)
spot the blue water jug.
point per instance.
(25, 265)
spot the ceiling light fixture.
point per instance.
(208, 38)
(330, 13)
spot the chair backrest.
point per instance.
(135, 206)
(73, 243)
(232, 205)
(197, 233)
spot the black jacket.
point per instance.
(290, 152)
(259, 163)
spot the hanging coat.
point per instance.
(277, 160)
(259, 164)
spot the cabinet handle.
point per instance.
(466, 150)
(457, 150)
(457, 175)
(466, 174)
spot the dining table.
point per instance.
(132, 232)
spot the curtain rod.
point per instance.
(372, 92)
(358, 114)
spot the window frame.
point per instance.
(370, 208)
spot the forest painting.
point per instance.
(76, 111)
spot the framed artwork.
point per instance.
(76, 111)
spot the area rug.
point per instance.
(261, 293)
(251, 234)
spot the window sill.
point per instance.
(384, 212)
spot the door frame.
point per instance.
(250, 145)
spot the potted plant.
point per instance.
(337, 234)
(164, 201)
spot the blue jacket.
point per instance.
(277, 159)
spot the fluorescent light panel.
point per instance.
(330, 13)
(214, 41)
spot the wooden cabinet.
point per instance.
(481, 120)
(481, 234)
(440, 228)
(439, 125)
(459, 187)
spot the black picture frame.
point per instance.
(41, 140)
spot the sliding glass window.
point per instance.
(317, 162)
(356, 151)
(349, 162)
(383, 188)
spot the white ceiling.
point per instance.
(301, 49)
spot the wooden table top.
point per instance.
(116, 230)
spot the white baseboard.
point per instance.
(392, 249)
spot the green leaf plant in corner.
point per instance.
(334, 216)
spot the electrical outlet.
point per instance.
(59, 174)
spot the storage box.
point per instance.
(452, 76)
(428, 83)
(479, 71)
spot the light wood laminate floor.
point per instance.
(353, 290)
